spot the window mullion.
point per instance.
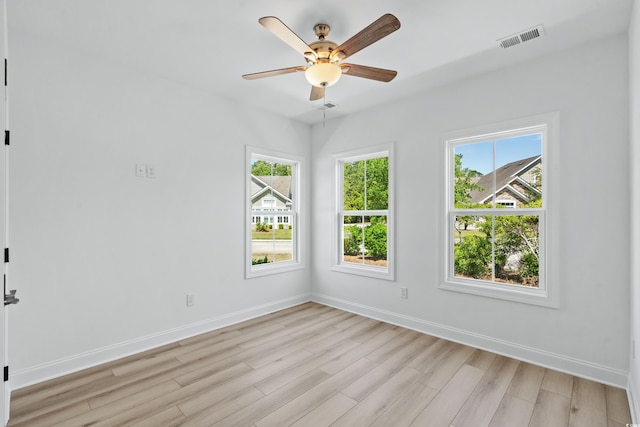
(365, 185)
(499, 212)
(493, 248)
(362, 229)
(381, 212)
(494, 183)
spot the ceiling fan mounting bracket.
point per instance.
(322, 30)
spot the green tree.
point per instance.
(353, 185)
(366, 187)
(463, 183)
(264, 168)
(366, 184)
(377, 183)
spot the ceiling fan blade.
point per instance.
(373, 73)
(284, 33)
(316, 93)
(380, 28)
(271, 73)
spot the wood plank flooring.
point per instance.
(313, 365)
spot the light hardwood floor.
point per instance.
(313, 365)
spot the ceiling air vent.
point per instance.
(521, 37)
(326, 106)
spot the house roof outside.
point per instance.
(280, 184)
(506, 178)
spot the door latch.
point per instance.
(10, 298)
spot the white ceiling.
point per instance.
(209, 44)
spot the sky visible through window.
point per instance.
(479, 156)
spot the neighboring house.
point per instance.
(269, 193)
(515, 183)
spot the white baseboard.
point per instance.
(558, 362)
(36, 374)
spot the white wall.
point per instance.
(103, 260)
(588, 334)
(634, 114)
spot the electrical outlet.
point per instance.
(191, 300)
(404, 293)
(151, 171)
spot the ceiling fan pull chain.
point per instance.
(324, 112)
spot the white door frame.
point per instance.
(5, 392)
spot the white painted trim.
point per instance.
(548, 293)
(633, 403)
(297, 202)
(633, 394)
(78, 362)
(555, 361)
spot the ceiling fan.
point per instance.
(324, 56)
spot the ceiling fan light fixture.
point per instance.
(323, 74)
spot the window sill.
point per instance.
(375, 272)
(520, 294)
(269, 269)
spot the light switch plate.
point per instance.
(141, 170)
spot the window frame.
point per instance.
(338, 264)
(547, 294)
(296, 263)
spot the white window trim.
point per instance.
(547, 295)
(385, 273)
(296, 263)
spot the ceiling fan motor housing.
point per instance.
(323, 49)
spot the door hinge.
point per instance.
(6, 373)
(6, 254)
(6, 137)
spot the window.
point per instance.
(506, 203)
(496, 213)
(272, 235)
(364, 212)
